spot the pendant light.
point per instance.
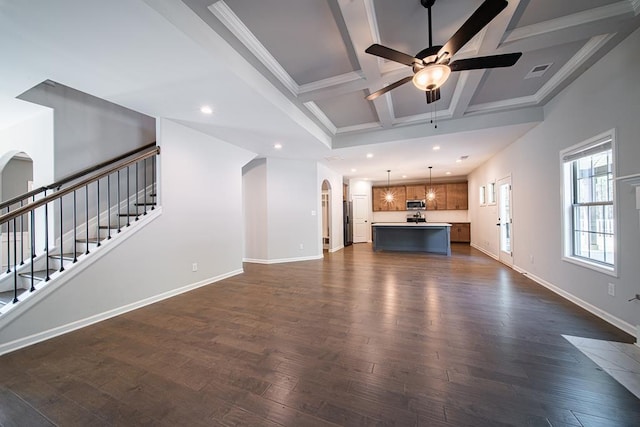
(431, 194)
(389, 197)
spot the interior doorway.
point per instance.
(505, 220)
(361, 226)
(326, 215)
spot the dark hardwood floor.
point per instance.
(359, 338)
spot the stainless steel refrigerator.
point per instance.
(347, 222)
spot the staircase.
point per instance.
(70, 219)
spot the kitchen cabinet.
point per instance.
(457, 196)
(439, 202)
(399, 198)
(448, 196)
(460, 232)
(416, 192)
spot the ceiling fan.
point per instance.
(432, 65)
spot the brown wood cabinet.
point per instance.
(457, 196)
(449, 196)
(439, 202)
(399, 199)
(416, 192)
(460, 232)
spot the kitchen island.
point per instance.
(430, 237)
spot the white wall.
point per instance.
(200, 222)
(336, 239)
(89, 130)
(607, 96)
(34, 136)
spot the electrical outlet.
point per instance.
(194, 266)
(612, 289)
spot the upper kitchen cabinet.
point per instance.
(397, 204)
(416, 192)
(439, 202)
(457, 196)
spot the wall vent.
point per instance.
(538, 70)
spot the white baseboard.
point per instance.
(332, 250)
(484, 251)
(78, 324)
(281, 260)
(607, 317)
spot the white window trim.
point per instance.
(566, 217)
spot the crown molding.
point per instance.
(246, 37)
(573, 20)
(319, 114)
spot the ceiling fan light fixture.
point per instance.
(431, 77)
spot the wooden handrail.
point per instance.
(60, 193)
(56, 185)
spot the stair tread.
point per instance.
(38, 274)
(67, 256)
(89, 240)
(145, 204)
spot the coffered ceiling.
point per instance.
(296, 72)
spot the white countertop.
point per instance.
(411, 224)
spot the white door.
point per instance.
(361, 226)
(505, 220)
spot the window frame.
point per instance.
(568, 158)
(491, 193)
(483, 195)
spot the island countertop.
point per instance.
(410, 236)
(411, 224)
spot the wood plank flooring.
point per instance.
(357, 339)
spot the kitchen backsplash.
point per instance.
(432, 216)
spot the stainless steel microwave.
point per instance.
(415, 205)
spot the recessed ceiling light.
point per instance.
(205, 109)
(277, 146)
(436, 147)
(404, 176)
(369, 155)
(354, 170)
(459, 161)
(447, 173)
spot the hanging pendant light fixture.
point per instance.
(431, 194)
(389, 196)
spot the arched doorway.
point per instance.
(326, 215)
(16, 178)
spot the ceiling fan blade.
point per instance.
(480, 18)
(392, 54)
(493, 61)
(386, 89)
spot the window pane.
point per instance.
(609, 250)
(581, 244)
(596, 247)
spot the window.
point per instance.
(483, 196)
(491, 193)
(589, 203)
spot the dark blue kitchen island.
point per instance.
(432, 237)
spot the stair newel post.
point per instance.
(144, 182)
(46, 235)
(109, 207)
(61, 242)
(32, 238)
(21, 235)
(86, 216)
(75, 230)
(119, 226)
(98, 211)
(137, 207)
(153, 178)
(8, 245)
(128, 198)
(15, 263)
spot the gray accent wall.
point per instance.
(607, 96)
